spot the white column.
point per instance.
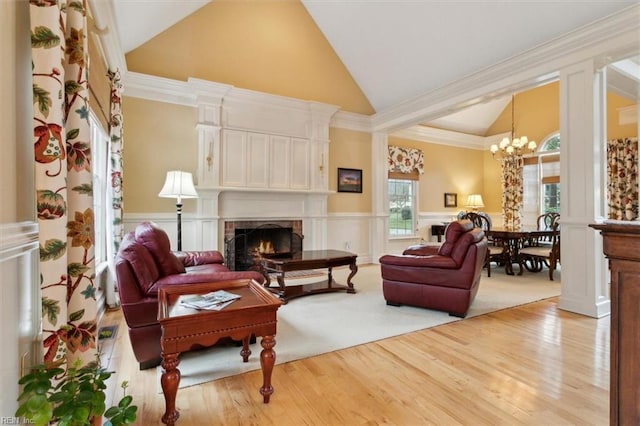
(209, 99)
(583, 178)
(379, 227)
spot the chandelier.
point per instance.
(514, 147)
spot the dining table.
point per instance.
(514, 239)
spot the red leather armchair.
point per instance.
(145, 263)
(444, 278)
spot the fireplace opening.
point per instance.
(247, 245)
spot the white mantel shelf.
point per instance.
(262, 190)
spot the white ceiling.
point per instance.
(397, 50)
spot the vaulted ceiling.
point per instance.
(397, 50)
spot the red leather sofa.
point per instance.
(444, 278)
(145, 263)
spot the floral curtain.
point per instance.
(116, 145)
(405, 160)
(512, 191)
(62, 154)
(622, 182)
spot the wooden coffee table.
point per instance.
(185, 328)
(305, 260)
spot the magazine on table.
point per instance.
(213, 301)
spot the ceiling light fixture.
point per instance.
(514, 147)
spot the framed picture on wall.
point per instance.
(349, 180)
(450, 199)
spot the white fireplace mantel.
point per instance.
(261, 156)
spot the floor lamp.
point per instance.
(178, 185)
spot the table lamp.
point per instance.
(474, 202)
(178, 185)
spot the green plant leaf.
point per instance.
(37, 403)
(81, 413)
(29, 377)
(38, 387)
(41, 418)
(85, 396)
(125, 401)
(130, 414)
(112, 411)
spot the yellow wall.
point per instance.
(268, 46)
(158, 137)
(614, 129)
(447, 169)
(536, 113)
(351, 150)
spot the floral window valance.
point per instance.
(405, 160)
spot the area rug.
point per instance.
(322, 323)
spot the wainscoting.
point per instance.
(19, 307)
(344, 231)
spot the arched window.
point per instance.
(550, 143)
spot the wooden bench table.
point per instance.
(306, 260)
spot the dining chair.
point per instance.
(545, 222)
(495, 248)
(541, 255)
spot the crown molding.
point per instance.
(196, 91)
(158, 89)
(351, 121)
(208, 92)
(448, 137)
(106, 29)
(604, 41)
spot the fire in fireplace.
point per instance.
(247, 244)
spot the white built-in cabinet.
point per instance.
(260, 156)
(258, 160)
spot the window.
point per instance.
(101, 202)
(551, 197)
(542, 180)
(550, 175)
(402, 202)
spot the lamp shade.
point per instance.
(475, 201)
(178, 185)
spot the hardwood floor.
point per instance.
(530, 365)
